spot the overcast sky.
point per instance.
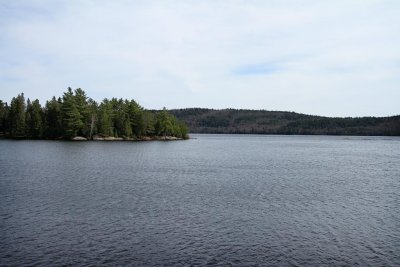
(334, 58)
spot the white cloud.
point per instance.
(184, 53)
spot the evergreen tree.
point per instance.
(52, 117)
(135, 112)
(3, 117)
(164, 124)
(118, 116)
(17, 117)
(72, 119)
(105, 124)
(83, 109)
(127, 127)
(34, 119)
(183, 130)
(149, 123)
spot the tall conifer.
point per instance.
(17, 117)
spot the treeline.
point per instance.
(233, 121)
(74, 114)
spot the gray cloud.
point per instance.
(337, 58)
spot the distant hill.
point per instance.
(234, 121)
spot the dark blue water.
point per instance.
(217, 200)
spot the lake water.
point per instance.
(217, 200)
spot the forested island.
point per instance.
(74, 116)
(242, 121)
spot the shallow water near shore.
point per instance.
(216, 200)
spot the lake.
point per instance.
(216, 200)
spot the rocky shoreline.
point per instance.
(143, 138)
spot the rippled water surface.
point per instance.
(216, 200)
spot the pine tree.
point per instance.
(118, 115)
(28, 118)
(52, 119)
(183, 130)
(149, 123)
(83, 109)
(163, 125)
(127, 127)
(3, 117)
(135, 112)
(105, 122)
(34, 119)
(72, 119)
(17, 117)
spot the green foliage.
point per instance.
(71, 117)
(34, 119)
(82, 106)
(105, 123)
(53, 128)
(17, 117)
(77, 115)
(4, 114)
(149, 123)
(167, 124)
(183, 130)
(163, 123)
(135, 114)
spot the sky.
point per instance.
(332, 58)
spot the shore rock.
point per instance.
(110, 138)
(171, 138)
(79, 138)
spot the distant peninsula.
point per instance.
(75, 116)
(244, 121)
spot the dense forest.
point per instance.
(76, 116)
(233, 121)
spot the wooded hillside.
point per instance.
(233, 121)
